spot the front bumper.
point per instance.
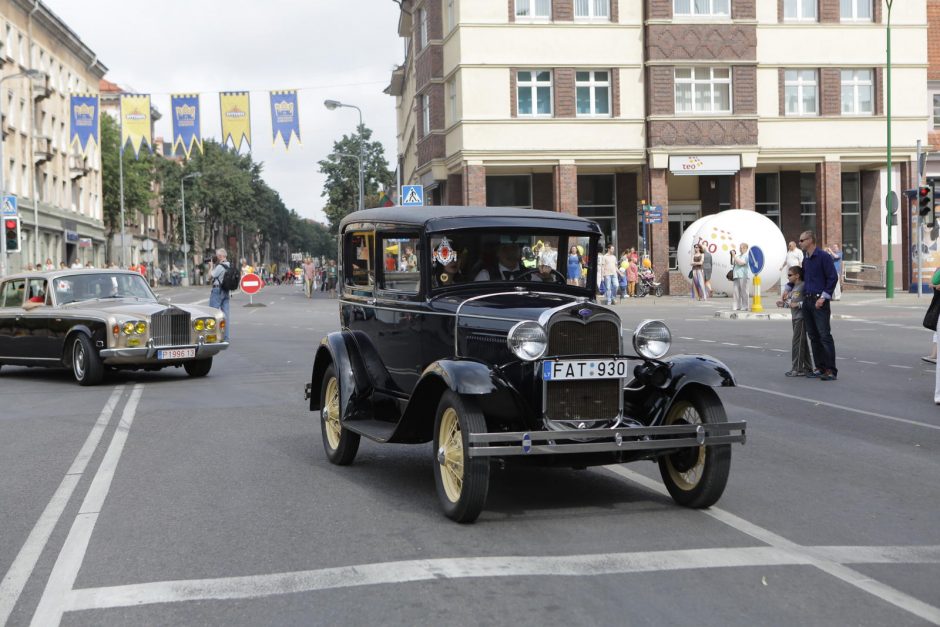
(147, 355)
(605, 440)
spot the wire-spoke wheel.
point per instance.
(462, 481)
(696, 476)
(86, 364)
(341, 445)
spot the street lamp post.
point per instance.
(3, 240)
(185, 247)
(892, 218)
(332, 105)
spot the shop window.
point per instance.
(808, 202)
(509, 191)
(597, 201)
(767, 196)
(851, 218)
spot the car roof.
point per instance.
(51, 274)
(441, 218)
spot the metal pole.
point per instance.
(889, 265)
(3, 235)
(918, 227)
(123, 230)
(362, 198)
(185, 281)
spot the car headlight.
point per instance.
(210, 323)
(128, 328)
(652, 339)
(140, 328)
(527, 340)
(199, 324)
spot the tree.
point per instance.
(138, 177)
(342, 174)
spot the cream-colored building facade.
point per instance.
(595, 106)
(51, 181)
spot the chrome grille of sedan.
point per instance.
(591, 403)
(170, 327)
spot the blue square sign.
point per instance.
(412, 195)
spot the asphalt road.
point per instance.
(162, 500)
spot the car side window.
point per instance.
(36, 291)
(401, 262)
(360, 269)
(12, 293)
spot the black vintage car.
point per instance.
(92, 320)
(461, 326)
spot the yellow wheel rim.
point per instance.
(685, 412)
(450, 454)
(330, 413)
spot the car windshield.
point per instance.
(69, 289)
(516, 256)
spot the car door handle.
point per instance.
(370, 301)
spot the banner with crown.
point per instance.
(186, 129)
(83, 121)
(135, 122)
(236, 118)
(285, 118)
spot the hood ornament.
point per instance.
(585, 312)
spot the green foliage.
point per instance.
(342, 174)
(137, 177)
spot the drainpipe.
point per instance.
(32, 133)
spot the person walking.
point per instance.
(608, 272)
(218, 297)
(697, 273)
(707, 270)
(794, 257)
(331, 279)
(309, 270)
(820, 279)
(632, 276)
(792, 298)
(740, 274)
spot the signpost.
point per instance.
(8, 210)
(755, 261)
(251, 284)
(412, 196)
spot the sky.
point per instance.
(338, 49)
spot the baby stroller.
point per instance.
(648, 283)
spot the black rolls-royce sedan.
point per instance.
(92, 320)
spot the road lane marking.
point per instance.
(257, 586)
(708, 341)
(842, 407)
(779, 350)
(904, 367)
(22, 567)
(729, 344)
(63, 575)
(870, 363)
(757, 347)
(838, 570)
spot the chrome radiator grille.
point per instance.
(170, 327)
(583, 400)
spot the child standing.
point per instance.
(632, 272)
(793, 297)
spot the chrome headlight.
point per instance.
(652, 339)
(527, 340)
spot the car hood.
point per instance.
(508, 305)
(131, 307)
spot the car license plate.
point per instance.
(176, 353)
(573, 369)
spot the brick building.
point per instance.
(591, 106)
(933, 84)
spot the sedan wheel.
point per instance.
(696, 476)
(462, 481)
(341, 445)
(86, 364)
(198, 368)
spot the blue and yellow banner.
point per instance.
(236, 118)
(285, 117)
(83, 121)
(186, 129)
(135, 122)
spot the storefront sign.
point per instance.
(707, 165)
(84, 242)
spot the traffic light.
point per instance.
(926, 202)
(11, 233)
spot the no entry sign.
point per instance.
(251, 283)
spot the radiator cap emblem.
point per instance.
(585, 312)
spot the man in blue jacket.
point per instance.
(819, 284)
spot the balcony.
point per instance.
(41, 88)
(78, 166)
(42, 149)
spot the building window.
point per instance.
(801, 92)
(857, 92)
(534, 9)
(936, 111)
(422, 29)
(702, 7)
(11, 110)
(425, 115)
(767, 196)
(593, 93)
(799, 10)
(808, 202)
(451, 11)
(534, 93)
(592, 9)
(452, 99)
(855, 10)
(13, 186)
(597, 201)
(851, 218)
(509, 191)
(703, 90)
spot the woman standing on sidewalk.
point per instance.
(739, 274)
(698, 273)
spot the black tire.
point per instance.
(340, 444)
(198, 368)
(85, 362)
(642, 290)
(696, 477)
(659, 290)
(462, 482)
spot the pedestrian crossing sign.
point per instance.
(412, 195)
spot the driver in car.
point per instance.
(508, 266)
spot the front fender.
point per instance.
(340, 349)
(70, 337)
(700, 369)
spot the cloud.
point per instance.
(339, 49)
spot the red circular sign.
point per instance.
(251, 283)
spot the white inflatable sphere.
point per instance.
(723, 232)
